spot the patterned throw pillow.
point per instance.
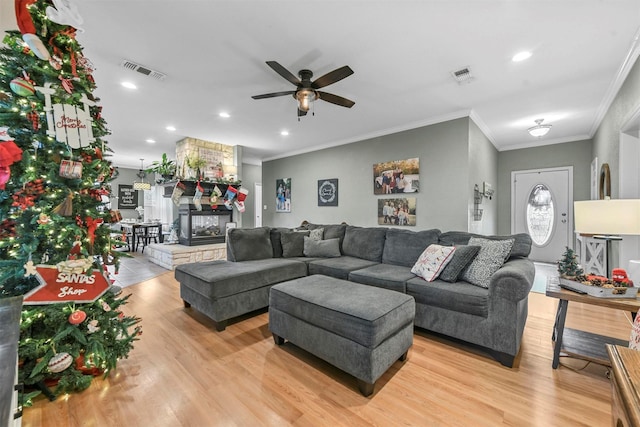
(462, 258)
(491, 257)
(432, 261)
(316, 234)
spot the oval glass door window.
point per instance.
(540, 214)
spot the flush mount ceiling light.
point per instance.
(170, 128)
(521, 56)
(151, 141)
(284, 133)
(539, 130)
(129, 85)
(224, 115)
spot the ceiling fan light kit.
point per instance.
(307, 91)
(539, 130)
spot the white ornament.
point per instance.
(59, 362)
(65, 13)
(4, 134)
(35, 44)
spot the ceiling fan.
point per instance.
(307, 90)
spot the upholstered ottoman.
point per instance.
(358, 328)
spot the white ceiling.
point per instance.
(402, 53)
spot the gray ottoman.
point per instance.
(358, 328)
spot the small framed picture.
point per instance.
(328, 192)
(283, 195)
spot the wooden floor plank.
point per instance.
(183, 372)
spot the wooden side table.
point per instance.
(625, 386)
(581, 344)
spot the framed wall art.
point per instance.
(397, 176)
(397, 211)
(127, 197)
(328, 192)
(283, 195)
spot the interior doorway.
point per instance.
(541, 206)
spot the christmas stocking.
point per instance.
(229, 196)
(215, 195)
(28, 29)
(241, 197)
(197, 197)
(178, 191)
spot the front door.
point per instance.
(541, 206)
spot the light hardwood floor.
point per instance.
(184, 373)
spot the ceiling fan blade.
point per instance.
(283, 72)
(301, 113)
(335, 99)
(332, 77)
(274, 94)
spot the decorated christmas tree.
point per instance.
(56, 246)
(568, 265)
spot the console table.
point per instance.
(581, 344)
(625, 386)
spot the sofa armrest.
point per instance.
(513, 281)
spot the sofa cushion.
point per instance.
(331, 231)
(432, 261)
(364, 242)
(316, 234)
(403, 247)
(521, 245)
(462, 257)
(460, 297)
(339, 267)
(217, 279)
(293, 243)
(492, 255)
(387, 276)
(246, 244)
(329, 248)
(276, 242)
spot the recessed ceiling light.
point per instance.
(224, 115)
(129, 85)
(170, 128)
(521, 56)
(151, 141)
(284, 133)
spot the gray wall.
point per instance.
(606, 141)
(445, 191)
(483, 167)
(576, 154)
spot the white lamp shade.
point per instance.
(141, 186)
(613, 216)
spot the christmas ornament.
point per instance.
(66, 207)
(59, 362)
(55, 62)
(5, 174)
(25, 198)
(28, 29)
(106, 306)
(22, 87)
(77, 317)
(70, 169)
(93, 326)
(67, 85)
(29, 268)
(92, 226)
(43, 219)
(9, 153)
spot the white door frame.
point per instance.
(257, 211)
(570, 238)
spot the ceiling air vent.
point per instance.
(143, 70)
(463, 75)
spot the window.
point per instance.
(540, 214)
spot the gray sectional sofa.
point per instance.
(492, 318)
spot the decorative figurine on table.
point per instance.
(619, 276)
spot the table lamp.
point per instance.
(607, 219)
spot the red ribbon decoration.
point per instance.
(9, 153)
(92, 225)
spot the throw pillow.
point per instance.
(329, 248)
(462, 257)
(432, 261)
(316, 234)
(246, 244)
(492, 255)
(293, 243)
